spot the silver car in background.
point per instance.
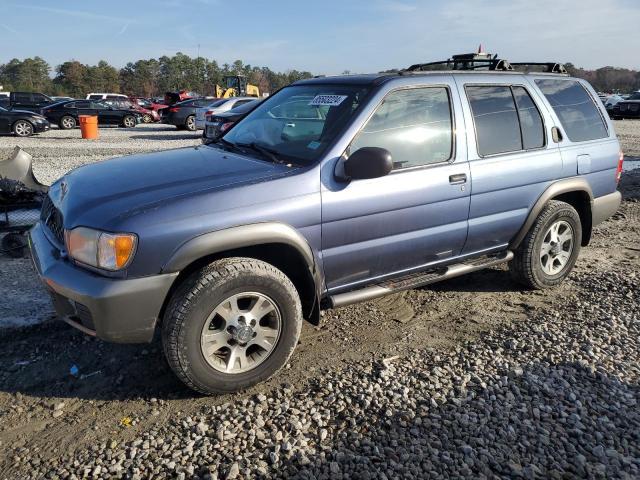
(219, 106)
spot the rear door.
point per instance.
(415, 216)
(511, 156)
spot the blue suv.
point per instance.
(332, 191)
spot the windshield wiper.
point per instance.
(266, 152)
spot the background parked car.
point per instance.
(148, 103)
(217, 124)
(219, 106)
(171, 98)
(22, 123)
(610, 102)
(65, 114)
(31, 101)
(148, 116)
(183, 114)
(629, 108)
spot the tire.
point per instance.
(190, 123)
(67, 122)
(23, 128)
(129, 121)
(544, 258)
(146, 118)
(14, 245)
(191, 321)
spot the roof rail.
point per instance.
(549, 67)
(482, 61)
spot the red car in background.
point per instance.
(148, 115)
(174, 97)
(148, 103)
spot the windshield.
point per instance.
(635, 96)
(299, 122)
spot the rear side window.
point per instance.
(505, 118)
(415, 125)
(575, 108)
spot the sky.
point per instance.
(324, 37)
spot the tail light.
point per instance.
(226, 126)
(619, 169)
(174, 109)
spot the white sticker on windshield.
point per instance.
(331, 100)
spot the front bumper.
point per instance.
(41, 127)
(114, 309)
(605, 206)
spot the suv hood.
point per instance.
(121, 186)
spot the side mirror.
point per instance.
(368, 162)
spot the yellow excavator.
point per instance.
(236, 86)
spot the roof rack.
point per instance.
(483, 61)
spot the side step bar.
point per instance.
(418, 280)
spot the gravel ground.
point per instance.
(468, 378)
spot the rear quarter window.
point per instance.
(575, 108)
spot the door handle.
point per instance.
(290, 124)
(458, 178)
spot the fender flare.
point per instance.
(250, 235)
(568, 185)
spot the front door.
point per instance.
(414, 216)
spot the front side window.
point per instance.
(95, 97)
(506, 119)
(575, 108)
(414, 125)
(300, 121)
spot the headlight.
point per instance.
(110, 251)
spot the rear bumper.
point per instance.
(605, 206)
(113, 309)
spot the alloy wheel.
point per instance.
(23, 129)
(556, 248)
(241, 332)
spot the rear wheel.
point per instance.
(67, 122)
(23, 128)
(190, 123)
(549, 251)
(231, 325)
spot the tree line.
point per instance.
(158, 75)
(144, 77)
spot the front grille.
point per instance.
(52, 218)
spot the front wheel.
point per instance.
(146, 118)
(549, 251)
(22, 128)
(231, 325)
(129, 121)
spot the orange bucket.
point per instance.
(89, 126)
